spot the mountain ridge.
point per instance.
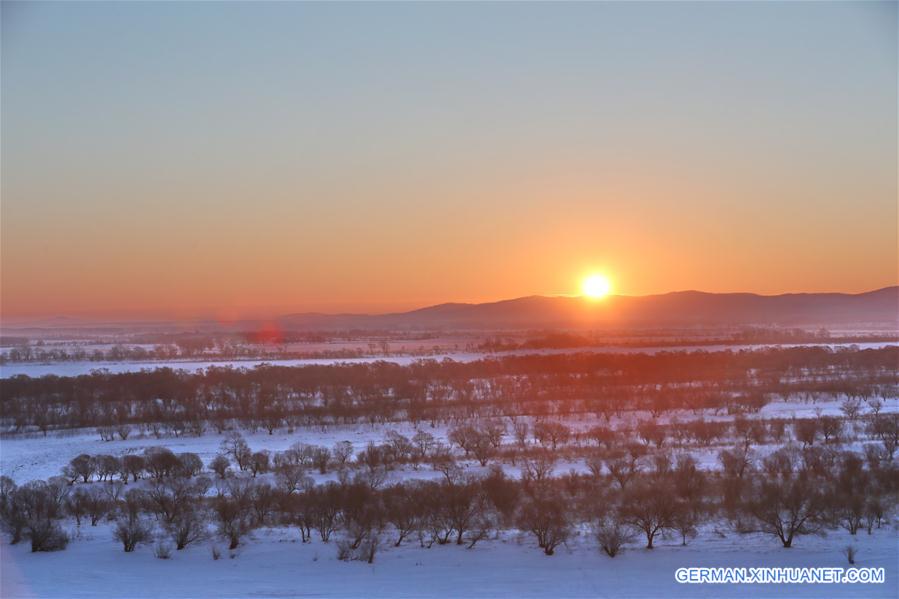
(688, 307)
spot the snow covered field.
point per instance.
(274, 563)
(24, 458)
(35, 369)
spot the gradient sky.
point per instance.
(188, 159)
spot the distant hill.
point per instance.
(681, 308)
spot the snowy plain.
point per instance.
(274, 563)
(39, 369)
(33, 456)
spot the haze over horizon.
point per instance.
(276, 158)
(283, 316)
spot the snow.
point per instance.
(33, 456)
(273, 563)
(78, 368)
(36, 369)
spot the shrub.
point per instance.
(364, 551)
(611, 536)
(47, 536)
(131, 532)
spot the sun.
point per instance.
(596, 286)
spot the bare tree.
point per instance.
(342, 452)
(82, 466)
(403, 510)
(97, 504)
(806, 431)
(551, 434)
(831, 428)
(134, 465)
(652, 433)
(442, 461)
(538, 468)
(684, 520)
(259, 462)
(220, 465)
(76, 504)
(233, 518)
(161, 462)
(875, 404)
(648, 509)
(611, 535)
(190, 464)
(131, 531)
(546, 517)
(520, 429)
(292, 478)
(886, 428)
(235, 446)
(622, 467)
(424, 444)
(188, 526)
(851, 406)
(38, 504)
(785, 508)
(322, 509)
(107, 467)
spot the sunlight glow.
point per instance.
(596, 286)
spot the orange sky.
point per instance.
(375, 162)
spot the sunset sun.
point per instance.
(596, 286)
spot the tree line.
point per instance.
(176, 501)
(272, 397)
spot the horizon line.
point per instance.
(206, 315)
